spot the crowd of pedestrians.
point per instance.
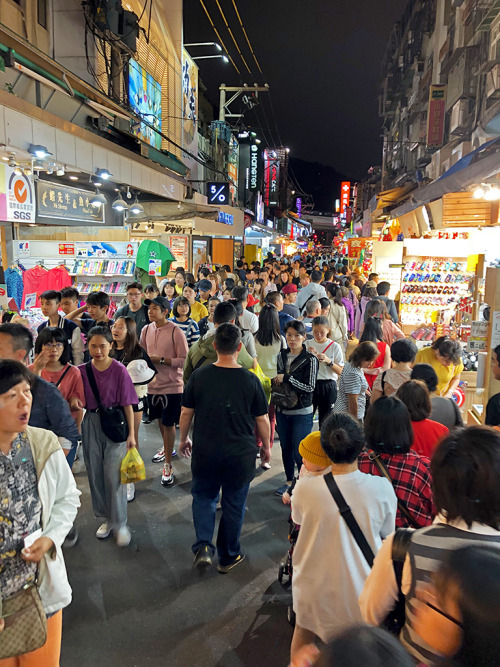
(231, 358)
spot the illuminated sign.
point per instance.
(225, 218)
(337, 206)
(218, 193)
(298, 204)
(345, 196)
(62, 202)
(271, 178)
(254, 168)
(436, 115)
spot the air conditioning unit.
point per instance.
(459, 117)
(493, 83)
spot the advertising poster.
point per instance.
(17, 196)
(190, 110)
(145, 99)
(200, 254)
(179, 248)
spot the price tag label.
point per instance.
(154, 267)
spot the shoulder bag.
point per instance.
(395, 619)
(25, 623)
(113, 421)
(401, 505)
(56, 384)
(284, 395)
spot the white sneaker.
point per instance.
(103, 531)
(167, 477)
(265, 466)
(159, 457)
(123, 536)
(130, 492)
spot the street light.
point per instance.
(220, 55)
(217, 46)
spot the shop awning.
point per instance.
(394, 196)
(468, 159)
(478, 172)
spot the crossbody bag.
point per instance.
(401, 505)
(395, 619)
(113, 421)
(284, 395)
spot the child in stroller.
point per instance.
(314, 462)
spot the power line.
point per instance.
(219, 37)
(232, 36)
(246, 37)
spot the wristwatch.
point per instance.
(162, 361)
(330, 364)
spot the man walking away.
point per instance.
(223, 449)
(383, 290)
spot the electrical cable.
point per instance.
(246, 37)
(218, 36)
(232, 36)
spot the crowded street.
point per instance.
(249, 333)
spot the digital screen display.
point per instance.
(144, 95)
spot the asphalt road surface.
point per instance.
(144, 605)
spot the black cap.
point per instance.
(159, 301)
(205, 285)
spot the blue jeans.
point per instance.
(292, 429)
(205, 492)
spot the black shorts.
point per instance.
(139, 407)
(166, 407)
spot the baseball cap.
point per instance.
(371, 283)
(289, 289)
(158, 301)
(204, 285)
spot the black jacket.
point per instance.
(302, 375)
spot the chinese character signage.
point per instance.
(65, 203)
(355, 247)
(66, 248)
(298, 204)
(178, 246)
(17, 198)
(190, 110)
(436, 116)
(345, 196)
(271, 178)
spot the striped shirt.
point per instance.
(352, 381)
(189, 328)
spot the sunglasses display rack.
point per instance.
(432, 288)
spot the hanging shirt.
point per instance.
(32, 279)
(56, 279)
(14, 282)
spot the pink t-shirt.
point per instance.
(71, 384)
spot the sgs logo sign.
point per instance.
(20, 197)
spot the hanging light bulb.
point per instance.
(136, 207)
(478, 193)
(492, 193)
(120, 204)
(98, 199)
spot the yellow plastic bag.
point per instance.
(264, 380)
(132, 468)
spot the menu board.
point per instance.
(179, 247)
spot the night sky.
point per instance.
(321, 59)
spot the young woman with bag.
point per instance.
(292, 395)
(107, 433)
(39, 504)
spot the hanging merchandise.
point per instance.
(55, 279)
(14, 282)
(32, 280)
(154, 258)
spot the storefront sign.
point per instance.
(178, 246)
(24, 249)
(200, 254)
(478, 339)
(345, 196)
(271, 178)
(66, 248)
(254, 168)
(232, 169)
(65, 203)
(436, 115)
(218, 193)
(225, 218)
(298, 205)
(355, 247)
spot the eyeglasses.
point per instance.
(55, 346)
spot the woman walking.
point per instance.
(352, 386)
(373, 333)
(181, 316)
(103, 456)
(337, 318)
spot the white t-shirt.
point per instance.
(329, 569)
(333, 351)
(249, 321)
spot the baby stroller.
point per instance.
(285, 571)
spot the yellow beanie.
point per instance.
(311, 450)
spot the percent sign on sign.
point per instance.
(218, 193)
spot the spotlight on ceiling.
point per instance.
(98, 199)
(39, 151)
(18, 170)
(103, 173)
(12, 161)
(120, 204)
(28, 171)
(73, 177)
(136, 207)
(60, 171)
(478, 193)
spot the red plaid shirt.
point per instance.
(411, 478)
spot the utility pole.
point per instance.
(224, 103)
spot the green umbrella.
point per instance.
(155, 258)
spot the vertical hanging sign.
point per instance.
(271, 178)
(345, 196)
(436, 115)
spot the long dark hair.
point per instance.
(335, 293)
(54, 335)
(269, 326)
(131, 348)
(372, 331)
